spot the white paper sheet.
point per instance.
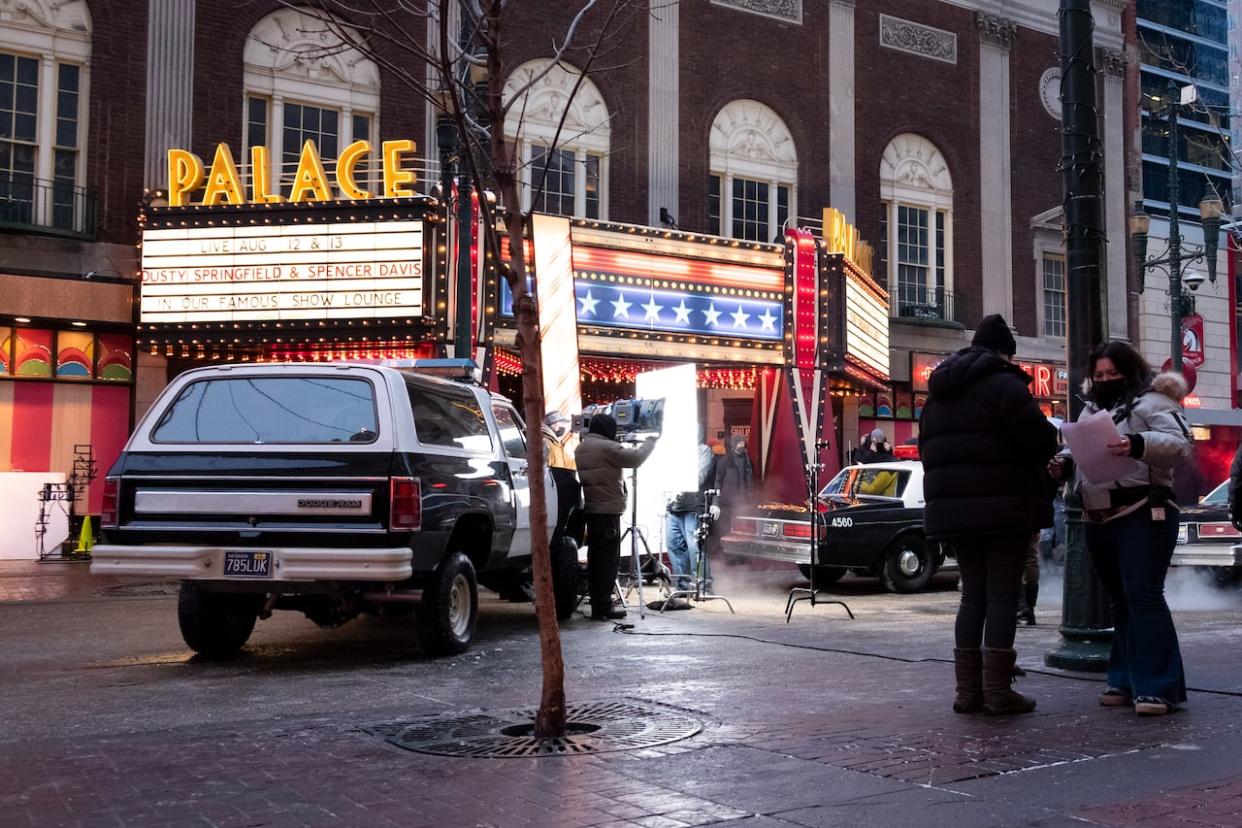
(1088, 442)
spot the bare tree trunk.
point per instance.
(550, 720)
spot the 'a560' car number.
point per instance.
(841, 522)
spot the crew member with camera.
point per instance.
(601, 460)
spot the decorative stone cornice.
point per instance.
(1111, 61)
(996, 29)
(789, 11)
(917, 39)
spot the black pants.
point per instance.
(603, 557)
(991, 570)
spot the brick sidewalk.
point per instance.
(52, 581)
(1215, 804)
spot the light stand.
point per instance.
(635, 533)
(700, 592)
(811, 594)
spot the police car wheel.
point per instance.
(908, 565)
(824, 575)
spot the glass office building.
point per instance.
(1186, 42)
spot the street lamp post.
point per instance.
(1085, 634)
(1177, 259)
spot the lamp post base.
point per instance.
(1086, 623)
(1083, 651)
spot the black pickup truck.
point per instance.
(331, 489)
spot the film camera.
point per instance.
(632, 416)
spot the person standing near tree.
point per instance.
(985, 445)
(601, 460)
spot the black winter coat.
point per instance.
(985, 447)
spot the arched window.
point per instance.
(576, 161)
(916, 228)
(297, 88)
(45, 50)
(754, 173)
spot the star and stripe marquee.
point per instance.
(602, 303)
(643, 285)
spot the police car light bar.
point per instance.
(458, 369)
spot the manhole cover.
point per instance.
(597, 727)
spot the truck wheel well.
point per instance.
(472, 536)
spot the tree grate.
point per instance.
(595, 727)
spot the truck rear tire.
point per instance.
(215, 624)
(449, 610)
(565, 577)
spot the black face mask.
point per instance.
(1108, 392)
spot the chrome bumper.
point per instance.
(1207, 554)
(772, 550)
(206, 563)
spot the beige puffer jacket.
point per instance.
(1156, 416)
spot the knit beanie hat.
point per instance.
(994, 333)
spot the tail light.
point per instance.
(108, 512)
(405, 504)
(745, 526)
(797, 530)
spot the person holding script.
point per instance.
(1129, 438)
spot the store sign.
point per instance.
(921, 367)
(1192, 340)
(328, 271)
(866, 326)
(1048, 381)
(222, 184)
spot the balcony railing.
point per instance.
(31, 203)
(933, 304)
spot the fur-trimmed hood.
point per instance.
(1172, 385)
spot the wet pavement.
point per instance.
(825, 721)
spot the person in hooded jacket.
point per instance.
(1132, 525)
(735, 475)
(985, 446)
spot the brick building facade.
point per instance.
(933, 126)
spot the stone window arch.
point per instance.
(45, 51)
(577, 161)
(753, 173)
(297, 86)
(916, 228)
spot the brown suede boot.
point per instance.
(968, 667)
(999, 699)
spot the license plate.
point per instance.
(247, 564)
(771, 530)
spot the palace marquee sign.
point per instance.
(212, 258)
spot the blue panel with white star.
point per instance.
(690, 312)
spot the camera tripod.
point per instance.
(701, 592)
(811, 594)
